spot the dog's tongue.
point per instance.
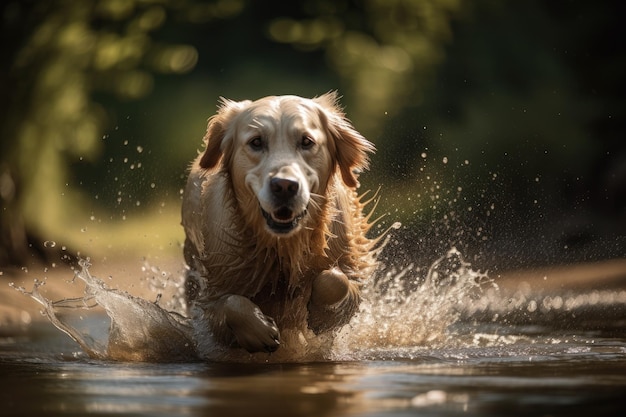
(283, 213)
(282, 220)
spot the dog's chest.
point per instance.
(286, 299)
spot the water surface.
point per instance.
(505, 347)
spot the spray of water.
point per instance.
(402, 309)
(407, 309)
(139, 330)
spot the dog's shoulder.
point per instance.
(206, 208)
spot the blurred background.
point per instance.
(500, 125)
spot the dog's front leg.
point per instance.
(235, 315)
(334, 300)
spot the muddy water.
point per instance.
(538, 343)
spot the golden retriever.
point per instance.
(275, 231)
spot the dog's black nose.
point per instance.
(283, 188)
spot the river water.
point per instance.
(441, 342)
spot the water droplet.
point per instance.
(49, 244)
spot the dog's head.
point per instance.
(280, 151)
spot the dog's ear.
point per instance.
(350, 148)
(217, 137)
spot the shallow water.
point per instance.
(534, 372)
(440, 342)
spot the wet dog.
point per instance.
(275, 230)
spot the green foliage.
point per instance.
(69, 51)
(484, 113)
(384, 51)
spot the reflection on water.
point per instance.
(438, 342)
(538, 374)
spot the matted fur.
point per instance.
(236, 261)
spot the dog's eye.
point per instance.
(256, 143)
(306, 142)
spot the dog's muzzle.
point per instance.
(284, 190)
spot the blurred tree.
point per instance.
(56, 55)
(385, 51)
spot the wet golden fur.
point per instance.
(254, 270)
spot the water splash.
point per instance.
(401, 309)
(406, 309)
(139, 330)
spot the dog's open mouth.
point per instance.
(282, 220)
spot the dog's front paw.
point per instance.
(253, 330)
(330, 287)
(334, 300)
